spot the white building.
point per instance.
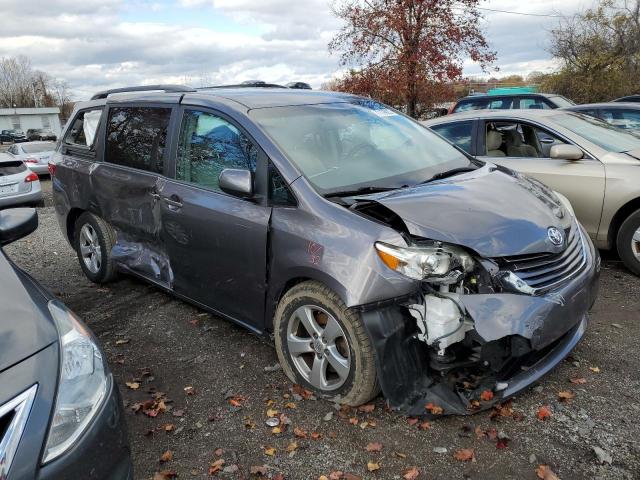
(26, 118)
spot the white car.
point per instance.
(35, 155)
(18, 184)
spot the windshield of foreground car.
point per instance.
(599, 132)
(349, 146)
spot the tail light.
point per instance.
(30, 160)
(52, 168)
(32, 177)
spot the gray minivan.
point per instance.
(376, 254)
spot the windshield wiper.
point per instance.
(360, 191)
(449, 173)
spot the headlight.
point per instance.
(83, 382)
(437, 263)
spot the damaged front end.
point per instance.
(478, 325)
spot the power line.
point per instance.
(520, 13)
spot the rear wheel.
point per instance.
(628, 242)
(93, 241)
(323, 346)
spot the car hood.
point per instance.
(25, 324)
(494, 211)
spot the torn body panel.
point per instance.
(516, 339)
(143, 259)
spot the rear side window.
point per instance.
(137, 136)
(11, 168)
(208, 144)
(83, 130)
(534, 104)
(465, 106)
(458, 133)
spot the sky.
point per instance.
(98, 44)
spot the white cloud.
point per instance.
(97, 44)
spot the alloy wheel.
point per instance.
(318, 347)
(90, 248)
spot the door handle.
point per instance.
(173, 203)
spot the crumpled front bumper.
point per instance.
(553, 324)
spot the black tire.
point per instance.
(106, 238)
(627, 248)
(361, 383)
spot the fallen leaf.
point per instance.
(374, 447)
(269, 451)
(276, 430)
(410, 474)
(337, 475)
(351, 476)
(502, 443)
(166, 456)
(425, 426)
(578, 381)
(315, 435)
(218, 452)
(545, 473)
(595, 369)
(123, 341)
(399, 455)
(373, 466)
(216, 466)
(278, 476)
(433, 409)
(289, 405)
(486, 395)
(189, 390)
(292, 447)
(236, 401)
(299, 432)
(133, 385)
(353, 421)
(412, 421)
(543, 413)
(168, 427)
(165, 475)
(272, 413)
(465, 455)
(566, 395)
(367, 408)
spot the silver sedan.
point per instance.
(35, 155)
(18, 184)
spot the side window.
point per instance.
(502, 104)
(518, 140)
(279, 192)
(627, 119)
(533, 104)
(471, 105)
(83, 130)
(137, 136)
(458, 133)
(13, 150)
(208, 144)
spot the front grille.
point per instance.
(13, 417)
(545, 271)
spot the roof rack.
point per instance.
(248, 84)
(144, 88)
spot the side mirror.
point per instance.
(237, 182)
(17, 223)
(566, 152)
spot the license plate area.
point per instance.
(8, 189)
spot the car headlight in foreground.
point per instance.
(83, 382)
(439, 263)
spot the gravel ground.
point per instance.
(200, 362)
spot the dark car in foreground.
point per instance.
(12, 136)
(377, 255)
(513, 101)
(60, 411)
(40, 134)
(619, 114)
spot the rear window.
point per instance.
(562, 102)
(40, 147)
(136, 137)
(11, 168)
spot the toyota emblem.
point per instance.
(555, 236)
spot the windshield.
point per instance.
(598, 132)
(561, 101)
(39, 147)
(347, 146)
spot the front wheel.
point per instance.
(628, 242)
(323, 346)
(93, 241)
